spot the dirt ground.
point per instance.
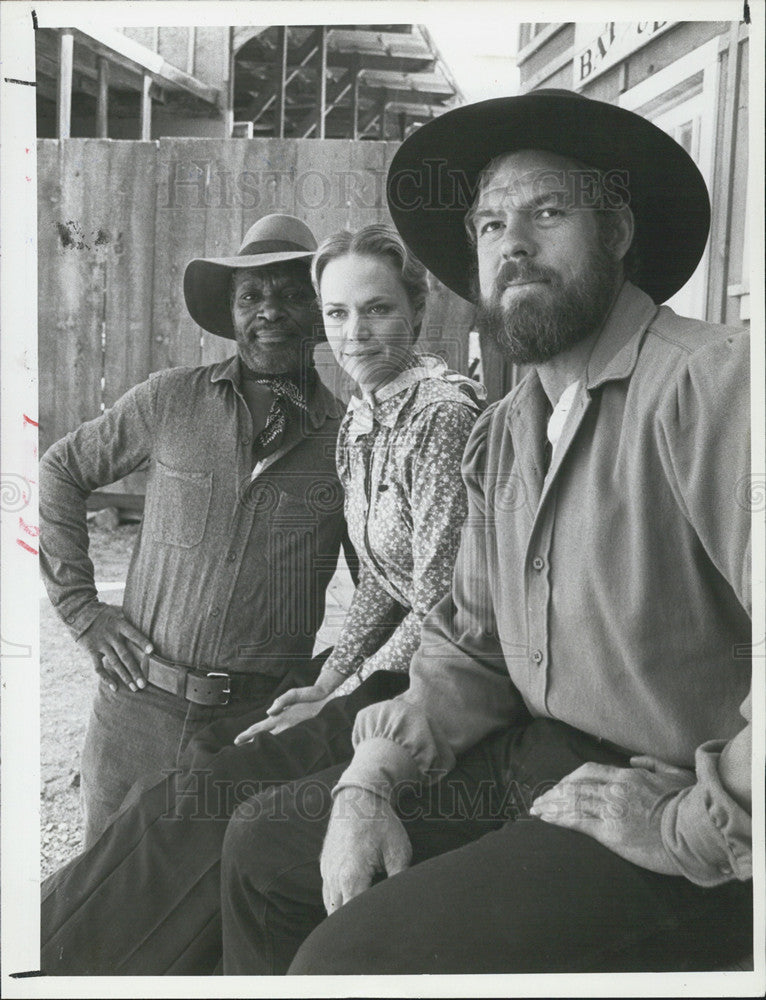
(68, 683)
(66, 689)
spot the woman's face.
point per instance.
(368, 318)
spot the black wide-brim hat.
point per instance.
(273, 239)
(433, 179)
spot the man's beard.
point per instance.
(289, 358)
(536, 327)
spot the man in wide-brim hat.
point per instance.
(215, 616)
(565, 786)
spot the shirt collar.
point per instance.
(322, 405)
(393, 396)
(390, 399)
(615, 353)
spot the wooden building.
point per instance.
(313, 82)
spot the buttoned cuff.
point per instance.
(378, 766)
(79, 621)
(704, 830)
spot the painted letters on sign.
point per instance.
(613, 43)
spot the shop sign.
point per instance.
(611, 45)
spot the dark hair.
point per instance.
(377, 240)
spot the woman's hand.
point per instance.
(295, 705)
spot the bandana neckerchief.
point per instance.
(284, 390)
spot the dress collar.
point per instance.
(393, 396)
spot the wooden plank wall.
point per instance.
(119, 220)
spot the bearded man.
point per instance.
(241, 528)
(565, 786)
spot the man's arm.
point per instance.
(459, 692)
(99, 452)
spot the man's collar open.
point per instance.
(322, 404)
(616, 351)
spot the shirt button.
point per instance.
(231, 556)
(70, 618)
(214, 612)
(245, 439)
(537, 656)
(724, 870)
(538, 563)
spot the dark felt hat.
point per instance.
(433, 179)
(271, 240)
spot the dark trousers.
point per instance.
(490, 888)
(134, 736)
(145, 899)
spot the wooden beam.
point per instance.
(146, 108)
(102, 101)
(305, 54)
(191, 41)
(369, 120)
(120, 49)
(336, 93)
(321, 110)
(729, 158)
(382, 124)
(64, 86)
(355, 104)
(281, 79)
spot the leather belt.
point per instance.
(203, 687)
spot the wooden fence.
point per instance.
(119, 220)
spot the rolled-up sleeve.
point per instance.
(460, 689)
(98, 453)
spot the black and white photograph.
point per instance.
(383, 499)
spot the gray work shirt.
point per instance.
(231, 564)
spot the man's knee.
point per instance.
(346, 943)
(266, 833)
(248, 836)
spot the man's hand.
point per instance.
(113, 657)
(364, 837)
(294, 706)
(620, 807)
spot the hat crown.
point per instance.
(262, 236)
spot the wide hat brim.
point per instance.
(207, 282)
(433, 177)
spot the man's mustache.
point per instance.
(259, 329)
(513, 273)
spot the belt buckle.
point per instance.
(227, 690)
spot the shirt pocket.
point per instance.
(178, 503)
